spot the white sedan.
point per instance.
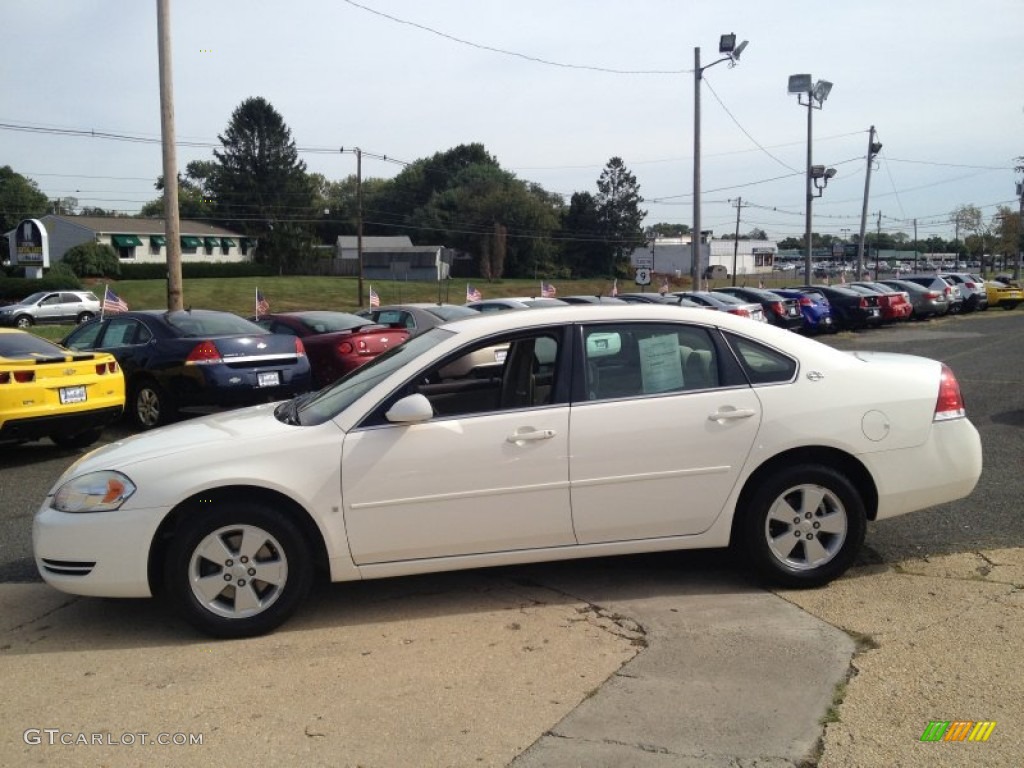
(605, 430)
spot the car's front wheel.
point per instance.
(237, 570)
(151, 405)
(23, 322)
(803, 526)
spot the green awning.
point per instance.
(126, 241)
(227, 242)
(187, 241)
(212, 242)
(157, 241)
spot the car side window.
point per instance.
(641, 359)
(51, 300)
(501, 374)
(762, 364)
(121, 332)
(70, 298)
(85, 337)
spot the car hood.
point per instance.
(201, 436)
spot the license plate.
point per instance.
(70, 395)
(874, 313)
(272, 379)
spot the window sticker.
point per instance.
(661, 367)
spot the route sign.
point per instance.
(643, 276)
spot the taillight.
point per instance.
(203, 352)
(740, 311)
(345, 348)
(24, 377)
(300, 348)
(777, 308)
(950, 403)
(5, 377)
(931, 295)
(863, 302)
(805, 302)
(102, 368)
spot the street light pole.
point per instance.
(817, 175)
(726, 45)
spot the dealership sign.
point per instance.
(31, 247)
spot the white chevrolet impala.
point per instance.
(512, 438)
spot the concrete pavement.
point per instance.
(670, 660)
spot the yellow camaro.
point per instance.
(49, 391)
(1003, 295)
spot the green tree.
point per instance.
(20, 198)
(585, 252)
(618, 205)
(663, 229)
(260, 186)
(195, 195)
(1007, 233)
(92, 260)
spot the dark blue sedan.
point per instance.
(814, 307)
(194, 358)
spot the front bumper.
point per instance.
(103, 554)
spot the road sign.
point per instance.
(644, 261)
(643, 276)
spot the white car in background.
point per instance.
(607, 430)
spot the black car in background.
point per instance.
(778, 310)
(183, 359)
(850, 310)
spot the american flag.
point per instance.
(113, 303)
(262, 305)
(547, 290)
(472, 294)
(664, 287)
(615, 287)
(374, 298)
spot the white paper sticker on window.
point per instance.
(660, 364)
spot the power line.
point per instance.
(515, 54)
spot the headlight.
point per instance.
(95, 492)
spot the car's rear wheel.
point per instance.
(238, 570)
(84, 317)
(23, 321)
(151, 405)
(804, 525)
(81, 440)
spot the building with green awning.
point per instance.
(144, 241)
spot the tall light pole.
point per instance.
(817, 175)
(726, 45)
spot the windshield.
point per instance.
(35, 297)
(326, 322)
(329, 402)
(23, 346)
(449, 312)
(213, 324)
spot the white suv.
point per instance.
(61, 307)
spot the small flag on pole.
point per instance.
(112, 303)
(262, 305)
(615, 287)
(547, 290)
(374, 298)
(664, 287)
(472, 294)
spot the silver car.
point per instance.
(58, 307)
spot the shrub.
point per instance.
(13, 289)
(93, 260)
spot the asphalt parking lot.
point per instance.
(570, 664)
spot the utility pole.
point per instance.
(1020, 232)
(878, 244)
(172, 226)
(873, 149)
(359, 218)
(695, 249)
(915, 245)
(736, 240)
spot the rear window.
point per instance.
(212, 324)
(450, 313)
(25, 346)
(762, 364)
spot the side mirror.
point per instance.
(413, 409)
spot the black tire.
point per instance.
(23, 321)
(84, 317)
(81, 440)
(151, 405)
(777, 511)
(228, 599)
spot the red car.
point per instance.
(335, 342)
(894, 303)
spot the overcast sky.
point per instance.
(941, 80)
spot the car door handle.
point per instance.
(730, 414)
(528, 435)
